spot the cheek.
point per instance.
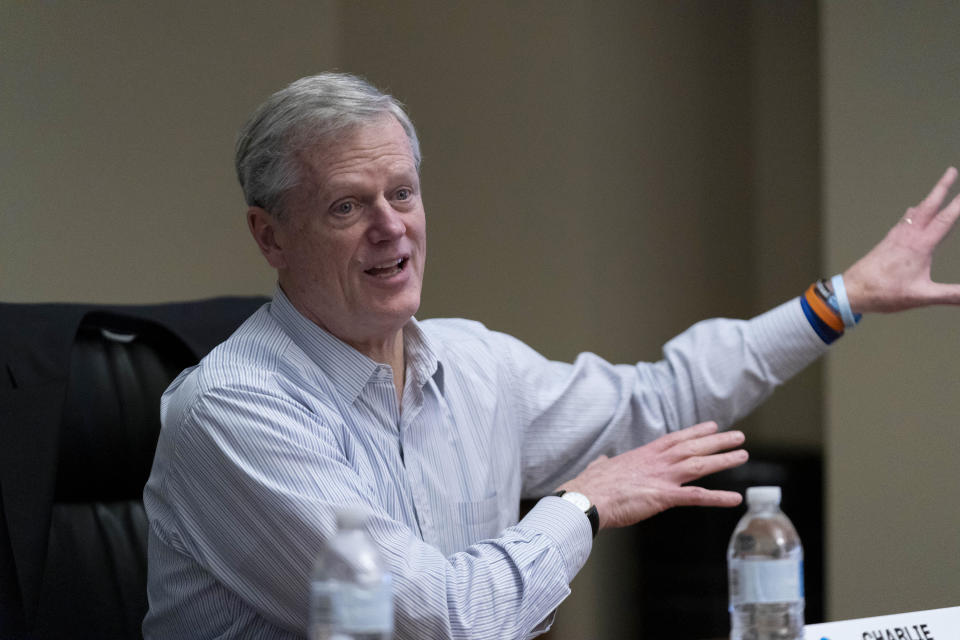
(417, 230)
(318, 249)
(312, 262)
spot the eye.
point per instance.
(343, 208)
(403, 193)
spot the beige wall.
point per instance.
(890, 105)
(118, 123)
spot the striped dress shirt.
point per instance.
(283, 423)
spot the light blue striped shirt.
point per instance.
(283, 423)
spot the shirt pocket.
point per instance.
(463, 523)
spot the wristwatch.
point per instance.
(583, 502)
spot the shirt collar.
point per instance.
(421, 357)
(348, 369)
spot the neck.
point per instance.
(386, 349)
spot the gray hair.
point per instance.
(313, 109)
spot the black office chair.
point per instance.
(96, 555)
(73, 552)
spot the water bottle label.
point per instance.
(350, 608)
(765, 581)
(366, 610)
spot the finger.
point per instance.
(706, 445)
(696, 468)
(689, 433)
(928, 208)
(700, 497)
(944, 220)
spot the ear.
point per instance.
(265, 231)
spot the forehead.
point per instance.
(380, 147)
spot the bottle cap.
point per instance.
(763, 495)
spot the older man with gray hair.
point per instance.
(334, 394)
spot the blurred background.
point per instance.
(597, 176)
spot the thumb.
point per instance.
(944, 293)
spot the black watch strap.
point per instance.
(592, 514)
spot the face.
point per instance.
(350, 251)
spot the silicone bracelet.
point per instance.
(850, 319)
(827, 314)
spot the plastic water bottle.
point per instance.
(351, 595)
(765, 564)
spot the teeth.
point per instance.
(394, 266)
(387, 265)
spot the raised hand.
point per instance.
(895, 274)
(647, 480)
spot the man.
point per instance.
(334, 395)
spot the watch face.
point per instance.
(578, 499)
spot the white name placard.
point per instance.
(936, 624)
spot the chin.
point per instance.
(400, 313)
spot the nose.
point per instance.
(386, 223)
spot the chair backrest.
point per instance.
(95, 575)
(79, 422)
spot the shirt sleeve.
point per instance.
(256, 499)
(718, 369)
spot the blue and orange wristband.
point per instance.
(827, 308)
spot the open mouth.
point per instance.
(388, 269)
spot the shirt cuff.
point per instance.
(786, 338)
(567, 526)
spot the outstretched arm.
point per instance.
(895, 274)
